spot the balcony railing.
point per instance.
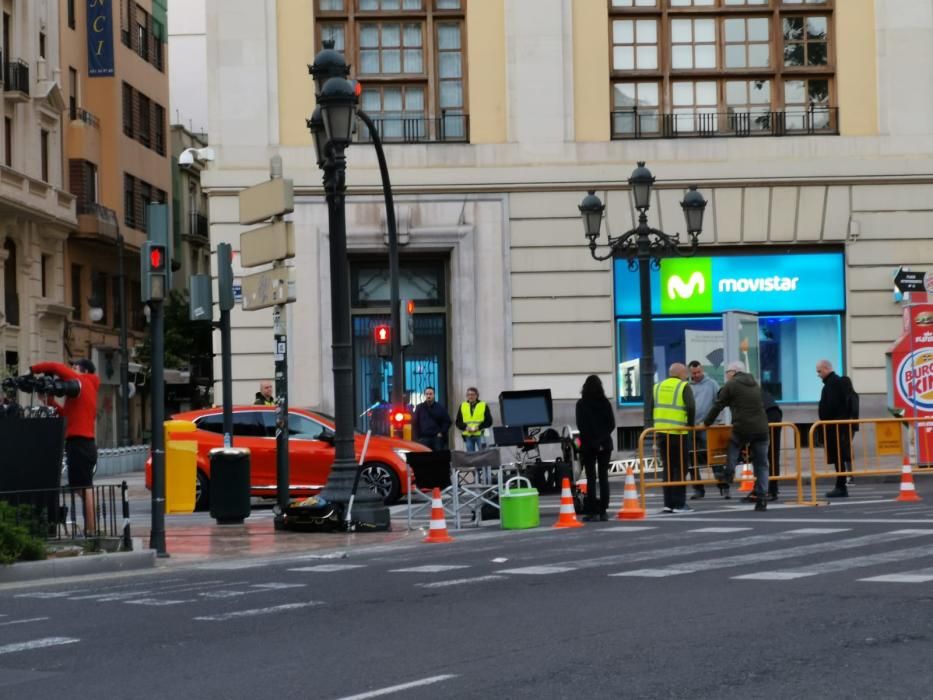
(401, 128)
(78, 114)
(16, 76)
(96, 219)
(646, 124)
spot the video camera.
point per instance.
(42, 384)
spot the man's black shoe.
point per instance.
(772, 496)
(761, 505)
(837, 493)
(750, 498)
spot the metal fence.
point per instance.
(121, 460)
(59, 514)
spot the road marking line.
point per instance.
(627, 528)
(918, 576)
(20, 622)
(329, 568)
(156, 602)
(843, 564)
(721, 530)
(37, 644)
(460, 581)
(258, 611)
(278, 586)
(539, 570)
(397, 688)
(429, 569)
(110, 597)
(42, 595)
(777, 554)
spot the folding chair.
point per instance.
(478, 479)
(429, 470)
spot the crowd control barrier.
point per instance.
(874, 447)
(784, 458)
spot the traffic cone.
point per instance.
(908, 492)
(631, 503)
(438, 531)
(567, 518)
(747, 479)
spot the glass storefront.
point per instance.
(799, 298)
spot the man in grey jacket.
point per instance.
(742, 394)
(705, 390)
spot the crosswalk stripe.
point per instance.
(627, 528)
(837, 565)
(37, 644)
(720, 530)
(222, 617)
(777, 554)
(23, 621)
(538, 570)
(460, 581)
(328, 568)
(916, 576)
(157, 602)
(429, 569)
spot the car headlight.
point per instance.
(401, 452)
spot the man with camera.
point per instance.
(80, 413)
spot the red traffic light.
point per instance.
(410, 306)
(156, 258)
(382, 335)
(399, 416)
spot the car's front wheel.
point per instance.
(382, 479)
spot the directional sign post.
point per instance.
(273, 243)
(909, 280)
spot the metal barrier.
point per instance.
(52, 513)
(875, 446)
(121, 460)
(785, 461)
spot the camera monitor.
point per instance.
(530, 408)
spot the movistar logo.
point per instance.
(676, 287)
(686, 286)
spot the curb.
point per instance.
(77, 566)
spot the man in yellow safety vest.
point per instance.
(473, 418)
(674, 409)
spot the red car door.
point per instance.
(310, 456)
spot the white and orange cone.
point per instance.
(438, 531)
(908, 492)
(747, 478)
(566, 518)
(631, 503)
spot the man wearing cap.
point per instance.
(742, 394)
(80, 415)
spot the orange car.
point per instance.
(310, 452)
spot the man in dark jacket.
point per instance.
(834, 405)
(742, 394)
(431, 422)
(775, 415)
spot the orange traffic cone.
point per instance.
(747, 479)
(908, 492)
(567, 518)
(631, 503)
(438, 531)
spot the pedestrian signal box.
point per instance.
(400, 421)
(154, 261)
(382, 336)
(407, 322)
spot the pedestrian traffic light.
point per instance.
(399, 419)
(382, 336)
(407, 322)
(154, 274)
(225, 276)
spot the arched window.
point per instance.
(10, 296)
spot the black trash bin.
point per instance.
(229, 484)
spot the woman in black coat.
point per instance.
(595, 420)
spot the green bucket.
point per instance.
(518, 507)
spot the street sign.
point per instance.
(267, 244)
(909, 280)
(265, 200)
(268, 288)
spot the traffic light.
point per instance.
(407, 322)
(225, 276)
(153, 259)
(399, 419)
(382, 336)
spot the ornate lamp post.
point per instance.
(643, 246)
(331, 127)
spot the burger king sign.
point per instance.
(910, 367)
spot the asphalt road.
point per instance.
(830, 602)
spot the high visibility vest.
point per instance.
(476, 414)
(670, 410)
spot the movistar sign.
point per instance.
(762, 283)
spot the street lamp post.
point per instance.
(643, 246)
(331, 127)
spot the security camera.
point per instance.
(189, 156)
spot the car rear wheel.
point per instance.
(382, 479)
(202, 491)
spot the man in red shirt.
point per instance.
(80, 415)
